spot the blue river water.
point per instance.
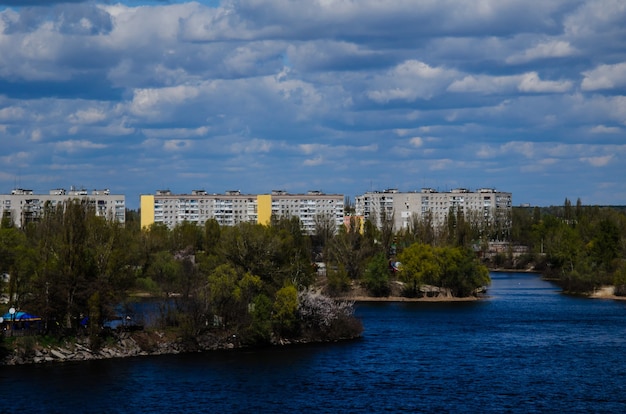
(527, 348)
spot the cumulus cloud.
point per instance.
(447, 89)
(605, 77)
(312, 162)
(177, 144)
(416, 141)
(528, 83)
(77, 145)
(544, 50)
(598, 161)
(87, 116)
(409, 81)
(603, 129)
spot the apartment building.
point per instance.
(23, 206)
(486, 204)
(233, 207)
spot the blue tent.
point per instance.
(20, 317)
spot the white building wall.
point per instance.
(23, 206)
(402, 207)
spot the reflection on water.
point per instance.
(526, 348)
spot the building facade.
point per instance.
(232, 208)
(486, 204)
(24, 206)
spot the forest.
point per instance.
(580, 247)
(262, 282)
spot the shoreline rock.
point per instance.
(127, 345)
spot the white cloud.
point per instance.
(251, 146)
(15, 159)
(36, 135)
(441, 164)
(175, 132)
(87, 116)
(544, 50)
(598, 161)
(177, 144)
(603, 129)
(416, 142)
(77, 145)
(152, 102)
(527, 149)
(12, 113)
(605, 77)
(530, 82)
(487, 151)
(446, 89)
(409, 81)
(312, 162)
(539, 165)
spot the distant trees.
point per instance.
(250, 278)
(582, 247)
(73, 265)
(453, 268)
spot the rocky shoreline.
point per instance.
(121, 345)
(132, 344)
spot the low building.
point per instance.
(23, 206)
(233, 207)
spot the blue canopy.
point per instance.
(20, 317)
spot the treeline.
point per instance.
(581, 247)
(422, 254)
(259, 281)
(251, 280)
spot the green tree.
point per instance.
(350, 250)
(376, 278)
(419, 267)
(284, 309)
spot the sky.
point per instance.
(340, 96)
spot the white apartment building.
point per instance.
(24, 206)
(232, 208)
(486, 204)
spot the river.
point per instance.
(527, 348)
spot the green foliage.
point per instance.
(337, 280)
(454, 268)
(583, 247)
(418, 267)
(284, 309)
(260, 329)
(376, 278)
(242, 279)
(350, 250)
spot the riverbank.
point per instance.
(606, 292)
(31, 350)
(357, 293)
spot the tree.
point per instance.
(284, 309)
(419, 267)
(350, 249)
(376, 278)
(212, 234)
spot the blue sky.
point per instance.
(333, 95)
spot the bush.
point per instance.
(376, 279)
(325, 318)
(338, 280)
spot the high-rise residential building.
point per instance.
(486, 204)
(24, 206)
(233, 207)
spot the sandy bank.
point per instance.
(606, 292)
